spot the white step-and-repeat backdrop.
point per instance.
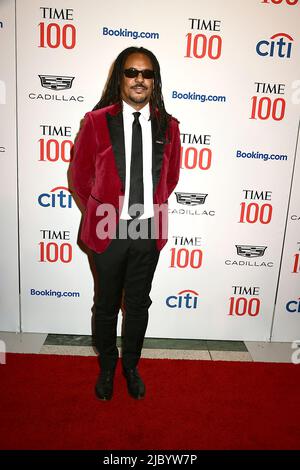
(230, 72)
(9, 274)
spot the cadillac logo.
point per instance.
(56, 82)
(190, 199)
(250, 251)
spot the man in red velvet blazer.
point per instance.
(126, 165)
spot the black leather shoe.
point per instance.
(135, 385)
(105, 384)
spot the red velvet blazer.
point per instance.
(98, 171)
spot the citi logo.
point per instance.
(190, 199)
(184, 299)
(293, 306)
(250, 251)
(58, 197)
(279, 45)
(56, 82)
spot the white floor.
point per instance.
(23, 342)
(270, 352)
(257, 351)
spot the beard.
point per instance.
(136, 98)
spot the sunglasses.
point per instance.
(133, 73)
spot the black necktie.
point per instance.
(136, 192)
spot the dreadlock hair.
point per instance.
(112, 91)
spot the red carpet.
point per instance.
(47, 402)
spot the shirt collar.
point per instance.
(128, 110)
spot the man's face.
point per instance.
(137, 91)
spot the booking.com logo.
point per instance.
(124, 32)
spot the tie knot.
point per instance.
(136, 115)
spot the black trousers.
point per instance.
(130, 265)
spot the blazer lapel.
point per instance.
(158, 144)
(116, 131)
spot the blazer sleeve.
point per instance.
(174, 164)
(83, 164)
